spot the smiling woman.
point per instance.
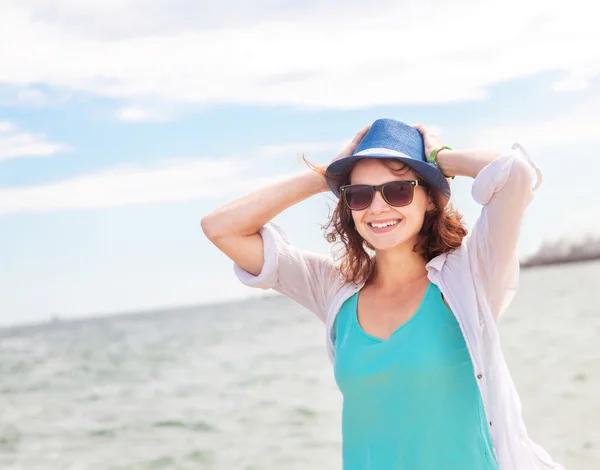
(411, 306)
(440, 228)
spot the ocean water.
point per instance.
(247, 385)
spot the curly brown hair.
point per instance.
(442, 231)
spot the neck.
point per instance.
(397, 267)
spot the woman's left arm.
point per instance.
(504, 184)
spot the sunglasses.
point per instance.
(395, 193)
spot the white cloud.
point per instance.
(578, 125)
(32, 96)
(6, 126)
(122, 185)
(140, 114)
(571, 83)
(15, 143)
(314, 56)
(173, 181)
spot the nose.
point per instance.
(378, 204)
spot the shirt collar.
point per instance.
(436, 263)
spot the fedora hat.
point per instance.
(391, 139)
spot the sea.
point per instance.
(247, 385)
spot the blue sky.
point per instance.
(122, 124)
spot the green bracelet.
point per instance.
(431, 159)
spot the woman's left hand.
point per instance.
(431, 140)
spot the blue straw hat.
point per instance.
(388, 138)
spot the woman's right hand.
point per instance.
(351, 147)
(347, 151)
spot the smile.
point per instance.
(383, 226)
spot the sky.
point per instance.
(122, 123)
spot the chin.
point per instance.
(391, 240)
(386, 244)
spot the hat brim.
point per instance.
(431, 174)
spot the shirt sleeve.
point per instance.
(310, 279)
(505, 187)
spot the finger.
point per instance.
(364, 130)
(359, 136)
(422, 129)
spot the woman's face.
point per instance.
(408, 219)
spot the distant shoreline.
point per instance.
(565, 252)
(539, 262)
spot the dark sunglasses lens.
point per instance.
(359, 197)
(398, 193)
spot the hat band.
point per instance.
(382, 151)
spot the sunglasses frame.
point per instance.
(379, 188)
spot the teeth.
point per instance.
(386, 224)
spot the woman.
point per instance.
(411, 307)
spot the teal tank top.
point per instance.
(410, 402)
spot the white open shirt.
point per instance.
(478, 280)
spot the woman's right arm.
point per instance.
(234, 228)
(263, 257)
